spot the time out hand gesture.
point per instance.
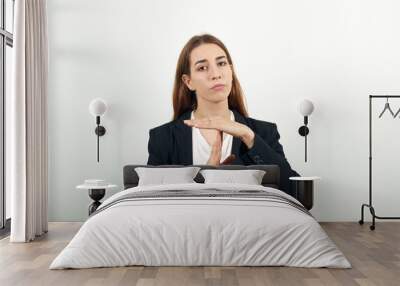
(215, 155)
(224, 125)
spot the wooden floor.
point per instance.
(374, 255)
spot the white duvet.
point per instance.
(200, 231)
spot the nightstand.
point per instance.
(304, 190)
(97, 190)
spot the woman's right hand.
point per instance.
(216, 150)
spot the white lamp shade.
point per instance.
(306, 107)
(97, 107)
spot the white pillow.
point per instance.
(249, 177)
(163, 176)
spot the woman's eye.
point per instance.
(202, 68)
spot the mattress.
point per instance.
(201, 225)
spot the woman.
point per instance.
(210, 123)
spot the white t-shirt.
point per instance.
(201, 148)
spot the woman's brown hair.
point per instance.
(183, 98)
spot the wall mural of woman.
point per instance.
(210, 125)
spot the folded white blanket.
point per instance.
(200, 224)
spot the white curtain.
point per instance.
(28, 122)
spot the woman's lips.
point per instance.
(218, 87)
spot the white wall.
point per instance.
(335, 53)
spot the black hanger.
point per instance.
(397, 113)
(387, 106)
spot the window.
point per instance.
(6, 44)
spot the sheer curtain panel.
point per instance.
(28, 122)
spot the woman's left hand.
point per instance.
(225, 125)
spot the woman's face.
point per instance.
(209, 67)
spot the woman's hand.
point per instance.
(224, 125)
(215, 155)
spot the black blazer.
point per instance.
(171, 144)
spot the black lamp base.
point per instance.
(100, 130)
(303, 130)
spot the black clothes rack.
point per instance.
(371, 208)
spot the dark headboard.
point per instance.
(270, 179)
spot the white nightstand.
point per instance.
(97, 190)
(304, 188)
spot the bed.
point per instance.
(201, 224)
